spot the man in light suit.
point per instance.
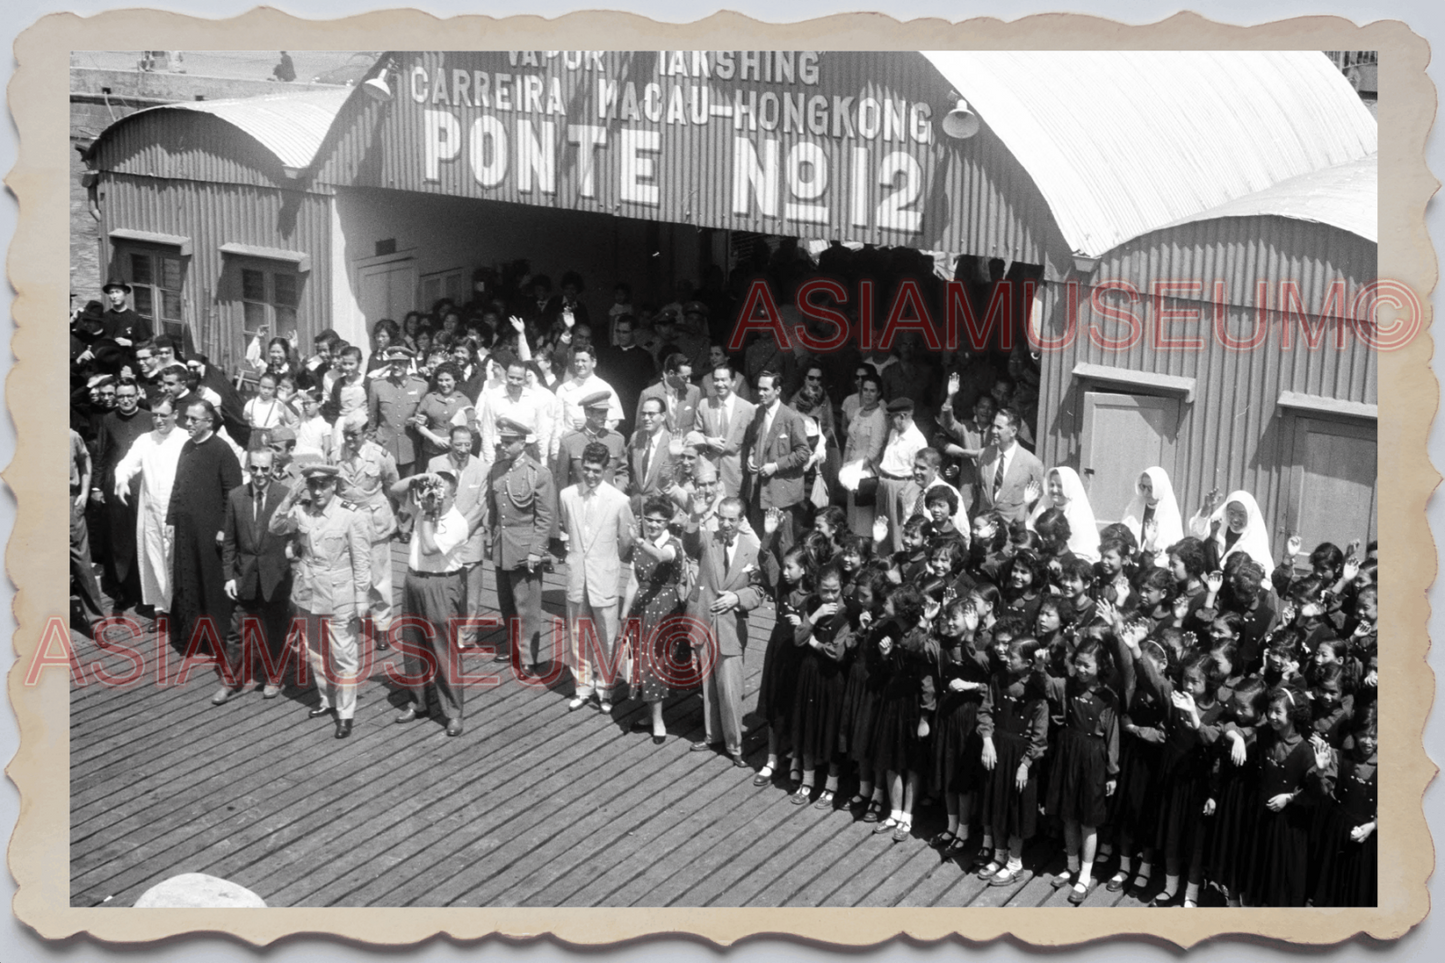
(776, 448)
(598, 522)
(724, 595)
(724, 421)
(650, 453)
(258, 573)
(1010, 478)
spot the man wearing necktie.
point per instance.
(726, 591)
(651, 453)
(778, 452)
(258, 575)
(1006, 470)
(725, 419)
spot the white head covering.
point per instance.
(1254, 540)
(1083, 530)
(1166, 512)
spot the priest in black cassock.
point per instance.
(206, 473)
(119, 428)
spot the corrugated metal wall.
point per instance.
(975, 197)
(212, 214)
(1231, 436)
(187, 145)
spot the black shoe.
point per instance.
(454, 727)
(343, 728)
(318, 713)
(382, 645)
(658, 740)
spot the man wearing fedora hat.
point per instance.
(120, 321)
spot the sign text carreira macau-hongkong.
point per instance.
(827, 144)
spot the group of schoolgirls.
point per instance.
(1164, 712)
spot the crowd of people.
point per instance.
(1161, 697)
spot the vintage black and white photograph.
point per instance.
(725, 478)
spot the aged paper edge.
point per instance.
(38, 852)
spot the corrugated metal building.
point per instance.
(203, 212)
(1092, 169)
(1291, 419)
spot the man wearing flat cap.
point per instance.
(392, 402)
(521, 503)
(332, 578)
(897, 491)
(568, 469)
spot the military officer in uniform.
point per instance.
(367, 473)
(391, 401)
(520, 507)
(332, 576)
(568, 469)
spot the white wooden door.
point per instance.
(388, 291)
(1123, 435)
(1333, 486)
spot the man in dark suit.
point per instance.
(258, 574)
(121, 322)
(626, 367)
(776, 445)
(650, 454)
(1010, 478)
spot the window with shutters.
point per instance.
(157, 280)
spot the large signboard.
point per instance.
(846, 146)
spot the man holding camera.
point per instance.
(434, 590)
(332, 551)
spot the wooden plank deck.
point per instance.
(531, 806)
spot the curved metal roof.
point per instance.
(1344, 196)
(289, 125)
(1126, 142)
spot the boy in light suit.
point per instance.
(726, 591)
(598, 521)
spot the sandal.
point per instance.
(764, 776)
(801, 795)
(886, 826)
(1078, 893)
(825, 800)
(1118, 881)
(959, 844)
(855, 801)
(903, 830)
(1062, 880)
(874, 812)
(992, 868)
(1164, 899)
(944, 839)
(1005, 877)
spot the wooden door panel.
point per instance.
(1122, 436)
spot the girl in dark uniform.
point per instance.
(963, 679)
(824, 639)
(1347, 781)
(900, 736)
(1013, 730)
(1286, 759)
(780, 660)
(1085, 767)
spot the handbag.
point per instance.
(867, 493)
